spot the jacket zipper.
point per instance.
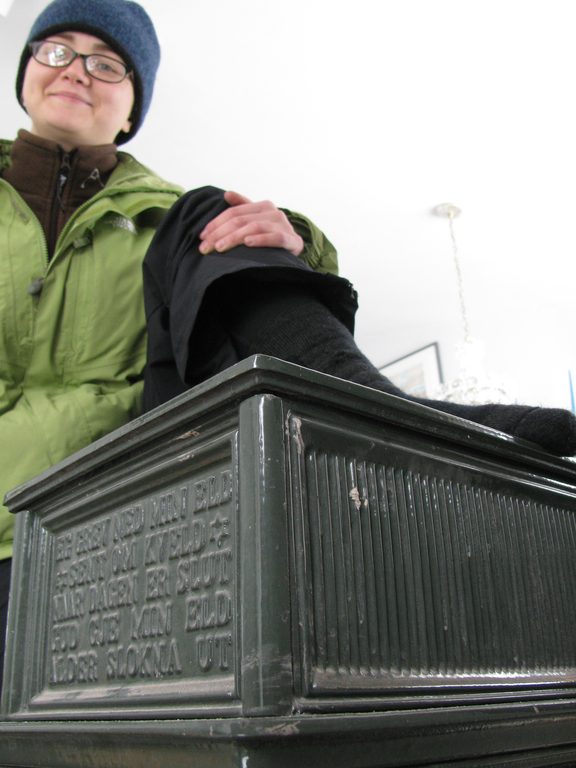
(57, 204)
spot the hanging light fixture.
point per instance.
(472, 384)
(5, 7)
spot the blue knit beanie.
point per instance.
(127, 29)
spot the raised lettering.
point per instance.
(128, 522)
(64, 547)
(204, 571)
(175, 542)
(114, 594)
(85, 570)
(208, 610)
(151, 621)
(157, 583)
(74, 668)
(168, 508)
(124, 557)
(212, 491)
(65, 637)
(141, 660)
(93, 536)
(214, 651)
(104, 630)
(68, 605)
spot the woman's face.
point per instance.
(68, 106)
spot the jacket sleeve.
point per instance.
(318, 253)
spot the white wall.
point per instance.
(367, 114)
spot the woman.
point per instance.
(76, 220)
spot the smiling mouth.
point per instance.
(71, 97)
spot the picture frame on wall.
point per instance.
(418, 373)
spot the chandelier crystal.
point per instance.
(472, 385)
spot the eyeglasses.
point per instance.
(100, 67)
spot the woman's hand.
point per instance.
(256, 225)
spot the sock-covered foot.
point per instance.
(553, 429)
(289, 322)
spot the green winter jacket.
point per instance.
(72, 329)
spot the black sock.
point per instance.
(290, 323)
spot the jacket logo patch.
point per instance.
(121, 222)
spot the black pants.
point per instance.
(5, 568)
(187, 293)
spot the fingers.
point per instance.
(264, 215)
(256, 225)
(254, 233)
(292, 243)
(235, 198)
